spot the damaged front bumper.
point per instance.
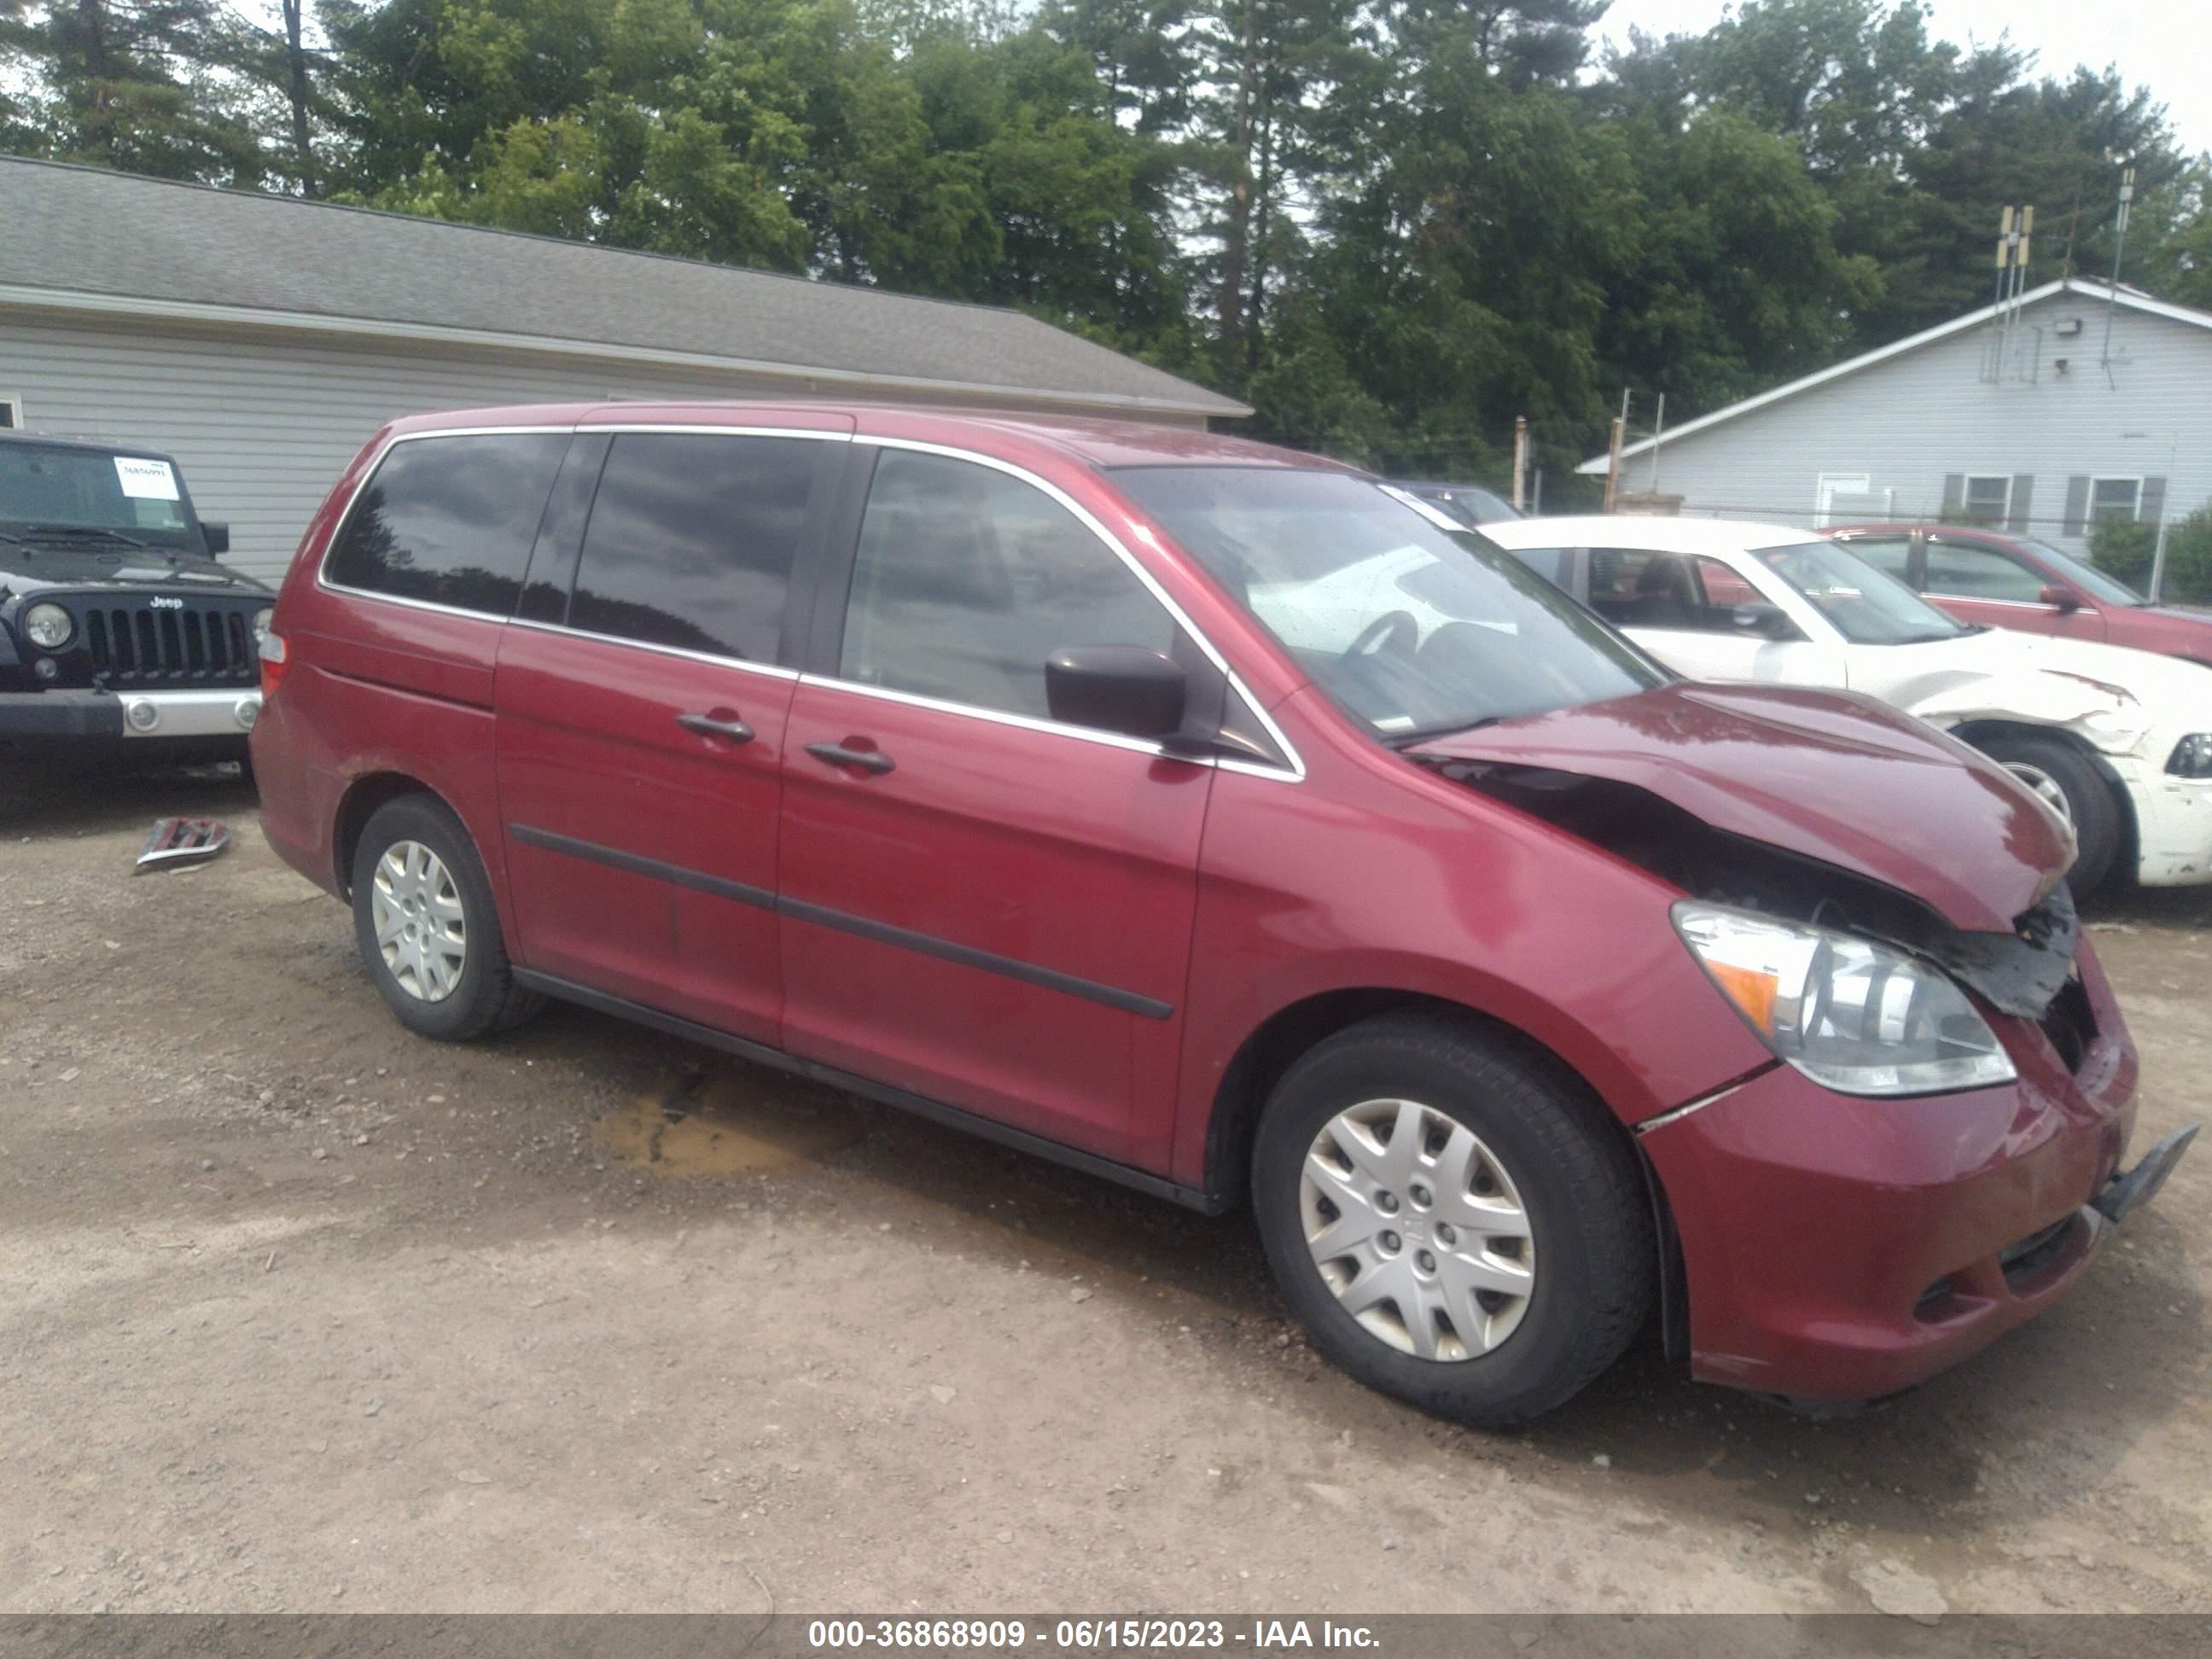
(1890, 1239)
(2173, 825)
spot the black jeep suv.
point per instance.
(118, 628)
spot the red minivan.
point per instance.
(1096, 788)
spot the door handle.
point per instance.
(835, 754)
(707, 726)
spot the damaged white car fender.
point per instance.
(2109, 718)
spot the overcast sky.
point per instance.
(2166, 45)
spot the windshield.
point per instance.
(89, 491)
(1411, 628)
(2106, 588)
(1866, 606)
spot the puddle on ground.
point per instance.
(708, 1123)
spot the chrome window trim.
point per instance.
(376, 465)
(394, 441)
(1295, 773)
(821, 433)
(2009, 604)
(1002, 717)
(1296, 770)
(771, 670)
(432, 606)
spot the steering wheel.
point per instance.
(1398, 630)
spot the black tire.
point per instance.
(1589, 1214)
(2089, 799)
(484, 998)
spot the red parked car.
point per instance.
(2004, 580)
(1085, 786)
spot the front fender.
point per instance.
(1414, 885)
(2103, 716)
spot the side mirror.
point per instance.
(217, 535)
(1769, 621)
(2061, 600)
(1127, 689)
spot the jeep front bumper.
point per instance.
(63, 717)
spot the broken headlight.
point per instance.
(2192, 757)
(1858, 1017)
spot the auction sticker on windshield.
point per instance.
(147, 481)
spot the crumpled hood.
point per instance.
(1827, 776)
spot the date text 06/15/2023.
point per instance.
(1086, 1635)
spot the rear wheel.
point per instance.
(428, 929)
(1452, 1215)
(2063, 779)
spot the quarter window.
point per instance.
(691, 541)
(1724, 589)
(1960, 571)
(966, 581)
(450, 519)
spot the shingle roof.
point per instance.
(74, 230)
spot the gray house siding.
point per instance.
(264, 421)
(1919, 425)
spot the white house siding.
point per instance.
(264, 421)
(1908, 422)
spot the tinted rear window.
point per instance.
(450, 519)
(692, 540)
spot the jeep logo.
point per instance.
(167, 604)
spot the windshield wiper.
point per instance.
(48, 532)
(1422, 734)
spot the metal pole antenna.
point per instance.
(2119, 248)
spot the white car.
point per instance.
(2117, 743)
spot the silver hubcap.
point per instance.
(1417, 1229)
(420, 930)
(2044, 786)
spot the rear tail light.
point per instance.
(272, 665)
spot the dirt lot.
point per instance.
(302, 1313)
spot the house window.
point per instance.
(1988, 497)
(11, 413)
(2116, 498)
(1851, 498)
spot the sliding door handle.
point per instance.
(707, 726)
(835, 754)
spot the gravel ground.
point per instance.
(301, 1313)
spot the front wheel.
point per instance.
(428, 929)
(2062, 778)
(1453, 1217)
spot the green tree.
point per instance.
(1736, 281)
(2128, 549)
(127, 84)
(2173, 233)
(1269, 78)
